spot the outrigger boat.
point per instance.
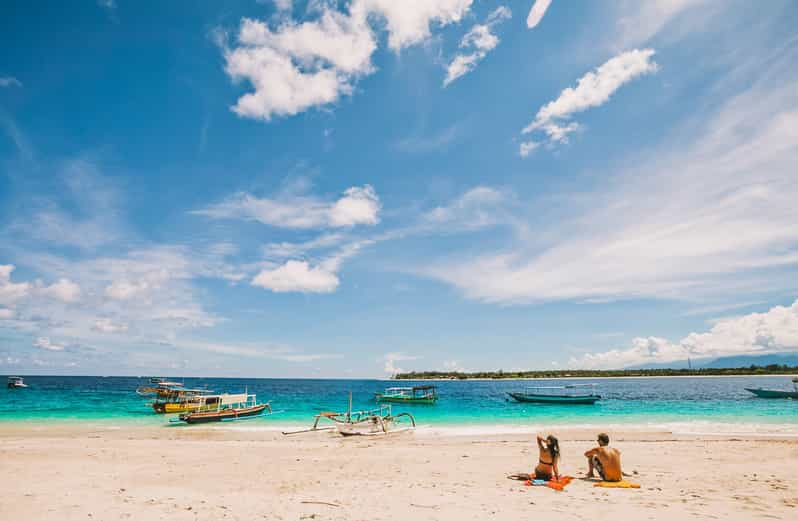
(159, 387)
(423, 394)
(16, 382)
(544, 396)
(776, 393)
(226, 407)
(362, 423)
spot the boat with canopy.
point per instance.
(16, 382)
(776, 393)
(226, 407)
(558, 395)
(422, 394)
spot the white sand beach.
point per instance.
(68, 472)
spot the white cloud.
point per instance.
(592, 90)
(297, 66)
(527, 147)
(638, 22)
(284, 5)
(105, 325)
(358, 205)
(44, 342)
(64, 290)
(9, 81)
(707, 214)
(390, 360)
(757, 333)
(6, 313)
(537, 12)
(479, 41)
(10, 292)
(408, 22)
(297, 276)
(477, 208)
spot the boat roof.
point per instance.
(424, 387)
(15, 378)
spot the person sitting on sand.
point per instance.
(548, 459)
(605, 460)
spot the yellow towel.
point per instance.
(616, 484)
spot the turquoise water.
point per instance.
(690, 404)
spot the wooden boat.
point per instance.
(375, 422)
(184, 400)
(776, 393)
(159, 387)
(228, 407)
(16, 382)
(543, 395)
(422, 394)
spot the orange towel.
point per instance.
(558, 485)
(616, 484)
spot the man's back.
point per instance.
(611, 462)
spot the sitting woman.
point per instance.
(549, 459)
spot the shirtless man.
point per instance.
(606, 461)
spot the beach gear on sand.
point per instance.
(556, 484)
(616, 484)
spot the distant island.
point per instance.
(751, 370)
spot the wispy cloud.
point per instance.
(357, 205)
(592, 90)
(537, 12)
(710, 212)
(475, 45)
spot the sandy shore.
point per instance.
(85, 472)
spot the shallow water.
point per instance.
(680, 404)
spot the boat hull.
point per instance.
(409, 400)
(773, 393)
(223, 415)
(555, 399)
(174, 407)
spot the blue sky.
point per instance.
(346, 189)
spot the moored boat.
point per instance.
(226, 407)
(374, 422)
(545, 395)
(421, 394)
(16, 382)
(776, 393)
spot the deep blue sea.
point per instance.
(688, 404)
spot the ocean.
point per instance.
(699, 405)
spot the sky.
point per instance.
(323, 188)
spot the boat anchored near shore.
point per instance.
(16, 382)
(557, 395)
(776, 393)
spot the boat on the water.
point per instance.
(423, 394)
(16, 382)
(373, 422)
(776, 393)
(557, 395)
(184, 400)
(226, 407)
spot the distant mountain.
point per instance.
(790, 359)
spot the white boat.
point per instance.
(16, 382)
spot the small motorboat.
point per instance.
(16, 382)
(557, 395)
(776, 393)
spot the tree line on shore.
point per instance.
(598, 373)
